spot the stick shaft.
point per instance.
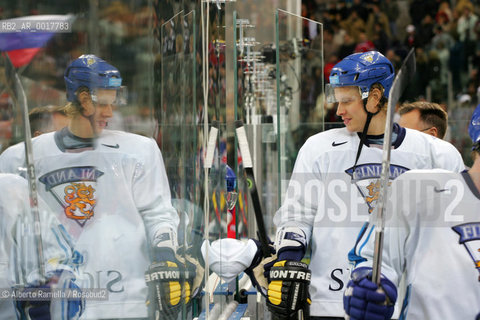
(399, 84)
(15, 84)
(252, 186)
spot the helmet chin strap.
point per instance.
(363, 136)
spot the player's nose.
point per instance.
(340, 109)
(107, 111)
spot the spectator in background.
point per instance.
(444, 16)
(444, 12)
(360, 8)
(394, 58)
(381, 41)
(421, 79)
(377, 17)
(412, 39)
(418, 9)
(435, 75)
(354, 25)
(338, 34)
(348, 46)
(441, 37)
(364, 44)
(427, 117)
(390, 7)
(330, 48)
(457, 63)
(47, 119)
(425, 31)
(466, 29)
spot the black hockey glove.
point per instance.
(164, 290)
(290, 245)
(288, 296)
(171, 283)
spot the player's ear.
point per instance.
(432, 131)
(374, 97)
(86, 103)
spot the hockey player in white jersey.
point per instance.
(335, 183)
(19, 264)
(110, 191)
(432, 234)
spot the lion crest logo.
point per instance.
(367, 179)
(81, 201)
(75, 190)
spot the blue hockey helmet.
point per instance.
(361, 70)
(93, 73)
(474, 127)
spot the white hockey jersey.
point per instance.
(18, 247)
(330, 202)
(110, 200)
(432, 233)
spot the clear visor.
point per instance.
(343, 94)
(115, 97)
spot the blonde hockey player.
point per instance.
(110, 191)
(334, 186)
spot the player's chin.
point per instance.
(99, 129)
(351, 128)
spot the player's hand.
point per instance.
(164, 290)
(41, 309)
(172, 282)
(256, 271)
(194, 273)
(288, 296)
(364, 300)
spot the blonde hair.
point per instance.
(73, 108)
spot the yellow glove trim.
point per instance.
(171, 264)
(280, 263)
(275, 292)
(187, 292)
(175, 292)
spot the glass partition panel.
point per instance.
(301, 107)
(255, 106)
(102, 184)
(179, 134)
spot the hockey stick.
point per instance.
(252, 186)
(207, 165)
(15, 85)
(404, 75)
